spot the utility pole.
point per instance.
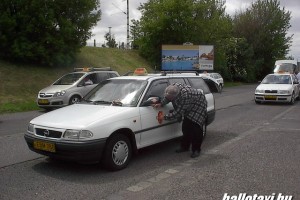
(127, 46)
(126, 13)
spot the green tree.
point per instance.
(179, 21)
(239, 55)
(265, 26)
(135, 32)
(111, 42)
(47, 32)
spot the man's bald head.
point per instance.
(171, 92)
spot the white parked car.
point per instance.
(217, 77)
(277, 88)
(114, 120)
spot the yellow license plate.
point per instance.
(270, 97)
(45, 146)
(43, 101)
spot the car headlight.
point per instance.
(30, 128)
(77, 134)
(60, 93)
(283, 92)
(259, 91)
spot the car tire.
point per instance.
(221, 88)
(74, 99)
(292, 98)
(117, 153)
(257, 102)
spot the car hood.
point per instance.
(80, 116)
(274, 87)
(55, 88)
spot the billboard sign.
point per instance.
(187, 57)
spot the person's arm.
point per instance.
(180, 109)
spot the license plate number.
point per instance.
(43, 101)
(270, 97)
(45, 146)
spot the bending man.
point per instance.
(191, 105)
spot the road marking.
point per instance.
(181, 166)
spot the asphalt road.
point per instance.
(249, 150)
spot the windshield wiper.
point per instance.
(117, 103)
(101, 102)
(85, 100)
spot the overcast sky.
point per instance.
(113, 15)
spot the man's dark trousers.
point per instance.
(192, 134)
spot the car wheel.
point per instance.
(74, 99)
(117, 153)
(292, 99)
(257, 102)
(221, 87)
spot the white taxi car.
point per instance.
(278, 88)
(113, 121)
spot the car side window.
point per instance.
(156, 89)
(112, 75)
(198, 83)
(91, 79)
(102, 77)
(176, 80)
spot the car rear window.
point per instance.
(199, 83)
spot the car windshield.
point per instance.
(277, 79)
(69, 79)
(284, 67)
(117, 92)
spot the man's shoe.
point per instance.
(195, 154)
(180, 150)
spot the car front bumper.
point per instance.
(81, 151)
(52, 102)
(272, 98)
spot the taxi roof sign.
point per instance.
(140, 72)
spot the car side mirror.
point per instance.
(87, 83)
(150, 101)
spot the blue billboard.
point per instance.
(187, 57)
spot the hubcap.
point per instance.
(120, 153)
(74, 100)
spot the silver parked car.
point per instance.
(71, 87)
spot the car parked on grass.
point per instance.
(114, 120)
(71, 87)
(277, 88)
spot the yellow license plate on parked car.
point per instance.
(45, 146)
(43, 101)
(271, 97)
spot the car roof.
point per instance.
(91, 72)
(280, 74)
(168, 75)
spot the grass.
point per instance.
(20, 84)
